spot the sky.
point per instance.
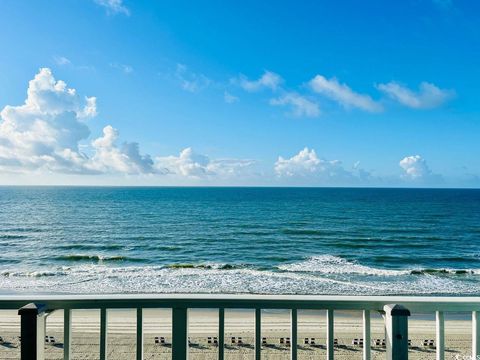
(250, 93)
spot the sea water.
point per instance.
(239, 240)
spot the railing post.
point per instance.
(475, 334)
(258, 334)
(139, 334)
(179, 333)
(67, 334)
(330, 334)
(396, 321)
(440, 335)
(366, 335)
(32, 331)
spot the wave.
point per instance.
(329, 264)
(96, 258)
(100, 278)
(204, 266)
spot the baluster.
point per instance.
(180, 333)
(475, 334)
(440, 335)
(139, 334)
(103, 333)
(293, 334)
(330, 335)
(258, 334)
(221, 333)
(67, 334)
(366, 335)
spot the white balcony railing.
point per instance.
(395, 310)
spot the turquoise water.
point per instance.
(239, 240)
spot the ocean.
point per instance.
(239, 240)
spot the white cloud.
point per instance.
(428, 95)
(193, 165)
(190, 81)
(126, 69)
(269, 80)
(307, 167)
(61, 60)
(229, 98)
(300, 104)
(342, 94)
(114, 6)
(45, 133)
(109, 157)
(415, 167)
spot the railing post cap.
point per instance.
(396, 310)
(32, 308)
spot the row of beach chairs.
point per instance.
(213, 340)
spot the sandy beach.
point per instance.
(204, 323)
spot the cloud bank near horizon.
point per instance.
(49, 134)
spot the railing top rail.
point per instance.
(414, 303)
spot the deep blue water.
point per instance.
(247, 240)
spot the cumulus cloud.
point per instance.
(269, 80)
(415, 167)
(110, 157)
(301, 106)
(114, 6)
(307, 167)
(190, 81)
(428, 96)
(45, 133)
(193, 165)
(343, 94)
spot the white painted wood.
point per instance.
(396, 321)
(67, 334)
(330, 334)
(440, 335)
(366, 335)
(475, 334)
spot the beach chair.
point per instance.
(355, 342)
(409, 343)
(239, 341)
(335, 342)
(209, 340)
(360, 342)
(215, 341)
(306, 341)
(312, 341)
(429, 343)
(264, 341)
(282, 341)
(233, 340)
(49, 340)
(287, 342)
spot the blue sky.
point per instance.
(240, 93)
